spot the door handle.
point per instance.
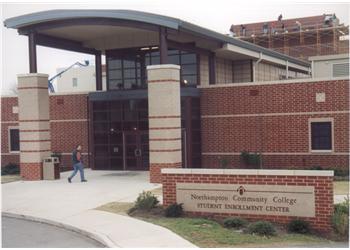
(138, 152)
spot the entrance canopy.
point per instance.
(95, 31)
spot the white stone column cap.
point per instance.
(280, 172)
(32, 75)
(163, 66)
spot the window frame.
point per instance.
(315, 120)
(9, 128)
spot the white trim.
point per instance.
(325, 119)
(329, 57)
(32, 75)
(71, 120)
(278, 114)
(9, 122)
(72, 93)
(280, 153)
(15, 153)
(289, 81)
(9, 96)
(9, 139)
(163, 66)
(247, 172)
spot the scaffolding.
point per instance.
(301, 41)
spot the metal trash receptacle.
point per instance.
(51, 168)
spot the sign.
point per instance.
(247, 199)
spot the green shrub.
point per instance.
(316, 168)
(234, 222)
(252, 159)
(340, 223)
(263, 228)
(10, 169)
(342, 207)
(174, 210)
(340, 218)
(146, 201)
(338, 171)
(224, 162)
(298, 226)
(341, 171)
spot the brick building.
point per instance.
(298, 37)
(227, 97)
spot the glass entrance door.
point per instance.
(136, 147)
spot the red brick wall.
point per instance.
(69, 127)
(323, 194)
(8, 119)
(282, 133)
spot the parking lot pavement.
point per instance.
(27, 234)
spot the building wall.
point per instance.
(8, 119)
(86, 80)
(324, 67)
(204, 70)
(68, 124)
(273, 118)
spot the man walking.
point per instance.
(77, 164)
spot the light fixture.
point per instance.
(185, 81)
(156, 47)
(145, 48)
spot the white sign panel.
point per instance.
(247, 199)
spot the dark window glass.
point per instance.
(115, 64)
(174, 59)
(129, 73)
(189, 79)
(115, 74)
(190, 69)
(124, 70)
(14, 139)
(321, 135)
(188, 58)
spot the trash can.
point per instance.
(51, 168)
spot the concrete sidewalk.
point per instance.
(72, 205)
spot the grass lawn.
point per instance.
(209, 233)
(341, 187)
(10, 178)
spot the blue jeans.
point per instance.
(78, 167)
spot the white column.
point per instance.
(164, 110)
(34, 124)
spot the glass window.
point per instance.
(124, 70)
(190, 69)
(114, 63)
(75, 82)
(188, 58)
(14, 139)
(321, 136)
(115, 74)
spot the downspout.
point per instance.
(255, 64)
(260, 117)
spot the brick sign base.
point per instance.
(253, 194)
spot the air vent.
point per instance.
(340, 69)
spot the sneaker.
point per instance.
(69, 180)
(84, 181)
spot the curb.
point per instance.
(99, 237)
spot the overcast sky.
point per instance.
(217, 15)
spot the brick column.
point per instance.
(35, 140)
(164, 110)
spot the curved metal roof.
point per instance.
(149, 18)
